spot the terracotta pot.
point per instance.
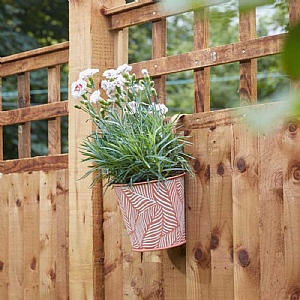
(154, 213)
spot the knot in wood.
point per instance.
(197, 165)
(221, 169)
(292, 127)
(295, 295)
(207, 172)
(296, 174)
(1, 266)
(198, 255)
(18, 202)
(52, 274)
(214, 242)
(243, 258)
(241, 165)
(33, 264)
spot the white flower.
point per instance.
(119, 81)
(161, 108)
(88, 73)
(145, 72)
(78, 88)
(110, 73)
(132, 107)
(95, 97)
(124, 69)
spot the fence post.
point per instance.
(91, 46)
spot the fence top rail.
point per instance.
(34, 59)
(129, 15)
(34, 52)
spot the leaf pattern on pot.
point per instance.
(154, 213)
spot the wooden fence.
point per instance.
(64, 240)
(34, 190)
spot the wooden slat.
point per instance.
(16, 237)
(5, 186)
(222, 277)
(126, 7)
(245, 213)
(62, 204)
(48, 235)
(54, 135)
(37, 163)
(291, 203)
(31, 188)
(159, 48)
(154, 12)
(201, 75)
(248, 68)
(212, 56)
(33, 113)
(34, 59)
(24, 135)
(272, 282)
(91, 46)
(198, 230)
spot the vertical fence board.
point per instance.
(221, 213)
(16, 237)
(113, 228)
(31, 235)
(245, 213)
(54, 136)
(24, 139)
(62, 277)
(198, 233)
(248, 68)
(291, 185)
(48, 235)
(272, 282)
(5, 183)
(201, 75)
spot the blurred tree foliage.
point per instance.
(30, 24)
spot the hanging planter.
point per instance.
(154, 213)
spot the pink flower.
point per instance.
(110, 73)
(78, 88)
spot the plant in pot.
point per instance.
(138, 152)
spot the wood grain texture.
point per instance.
(37, 163)
(153, 12)
(221, 215)
(91, 46)
(5, 185)
(291, 204)
(198, 228)
(212, 56)
(24, 135)
(245, 213)
(248, 68)
(1, 127)
(54, 135)
(34, 59)
(34, 113)
(31, 186)
(271, 233)
(201, 75)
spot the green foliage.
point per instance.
(291, 52)
(132, 141)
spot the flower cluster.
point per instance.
(132, 140)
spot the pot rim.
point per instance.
(151, 181)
